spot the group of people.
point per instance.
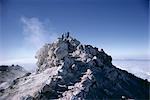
(65, 35)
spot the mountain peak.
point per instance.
(54, 54)
(69, 70)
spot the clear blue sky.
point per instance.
(120, 27)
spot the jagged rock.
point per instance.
(61, 51)
(9, 73)
(68, 70)
(97, 61)
(90, 50)
(74, 67)
(79, 90)
(42, 54)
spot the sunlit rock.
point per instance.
(69, 70)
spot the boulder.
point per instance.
(61, 51)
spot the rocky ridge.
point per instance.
(10, 73)
(69, 70)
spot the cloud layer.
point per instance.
(36, 32)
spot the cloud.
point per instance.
(36, 32)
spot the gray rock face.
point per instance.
(69, 70)
(61, 51)
(80, 89)
(9, 73)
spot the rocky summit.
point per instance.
(69, 70)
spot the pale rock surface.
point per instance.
(69, 70)
(9, 73)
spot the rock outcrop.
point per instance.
(69, 70)
(10, 73)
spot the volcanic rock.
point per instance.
(69, 70)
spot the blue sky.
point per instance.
(120, 27)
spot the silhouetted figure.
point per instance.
(102, 50)
(67, 34)
(62, 36)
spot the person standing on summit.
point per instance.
(67, 34)
(62, 36)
